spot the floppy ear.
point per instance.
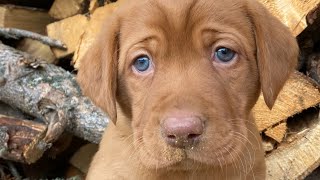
(98, 68)
(276, 53)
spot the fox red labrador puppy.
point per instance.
(179, 79)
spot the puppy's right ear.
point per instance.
(277, 50)
(97, 74)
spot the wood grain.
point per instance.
(297, 159)
(292, 13)
(34, 20)
(69, 31)
(298, 94)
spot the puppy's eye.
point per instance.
(224, 54)
(142, 63)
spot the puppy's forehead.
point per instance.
(176, 16)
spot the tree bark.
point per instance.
(50, 94)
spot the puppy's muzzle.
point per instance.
(182, 130)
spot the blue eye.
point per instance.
(224, 54)
(142, 63)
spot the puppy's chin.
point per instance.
(211, 152)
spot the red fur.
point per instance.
(180, 36)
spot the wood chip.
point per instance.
(278, 132)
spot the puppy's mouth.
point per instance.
(184, 165)
(191, 157)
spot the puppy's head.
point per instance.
(186, 74)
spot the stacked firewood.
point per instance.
(44, 115)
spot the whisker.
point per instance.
(233, 161)
(250, 131)
(251, 158)
(220, 165)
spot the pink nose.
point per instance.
(182, 131)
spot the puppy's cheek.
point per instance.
(238, 142)
(224, 142)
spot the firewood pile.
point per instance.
(48, 129)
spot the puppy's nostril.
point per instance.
(193, 136)
(189, 137)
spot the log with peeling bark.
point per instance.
(22, 140)
(49, 93)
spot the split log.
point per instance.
(34, 20)
(298, 94)
(69, 31)
(296, 159)
(61, 9)
(49, 93)
(97, 19)
(292, 13)
(89, 35)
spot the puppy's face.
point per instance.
(180, 60)
(186, 74)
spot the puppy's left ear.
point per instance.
(276, 53)
(98, 69)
